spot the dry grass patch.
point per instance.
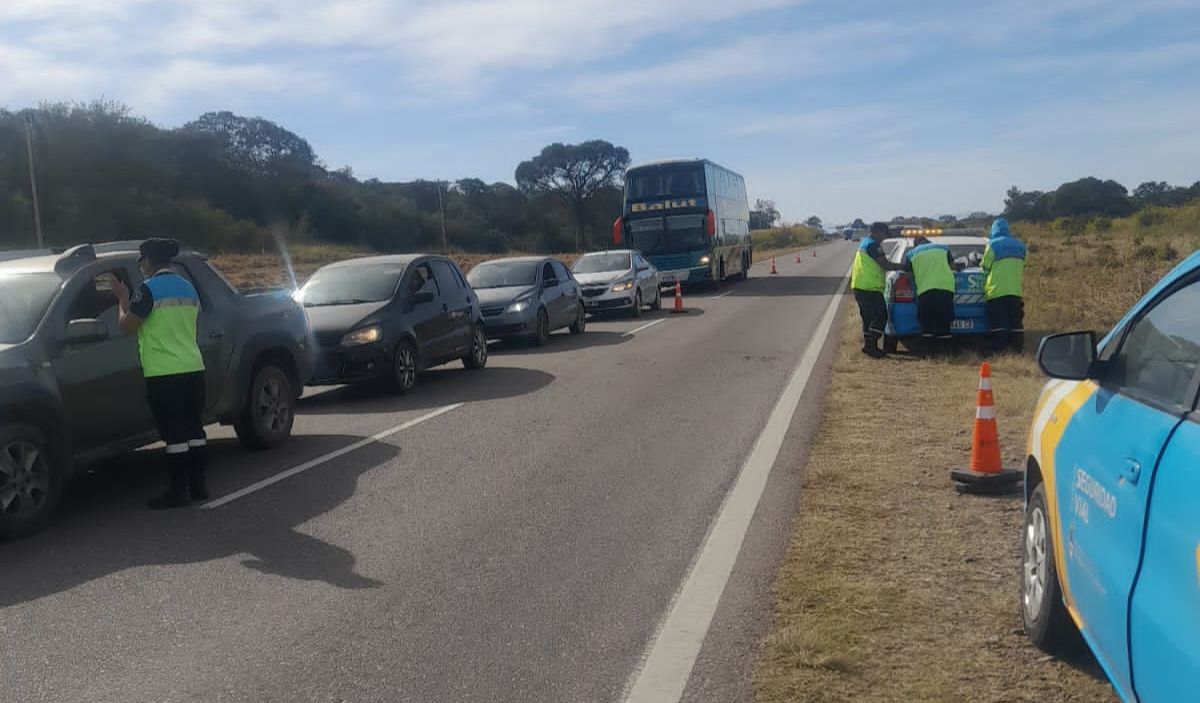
(896, 588)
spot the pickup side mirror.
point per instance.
(86, 331)
(1070, 356)
(549, 283)
(422, 296)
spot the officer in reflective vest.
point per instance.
(1004, 268)
(932, 268)
(867, 280)
(164, 314)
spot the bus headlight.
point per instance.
(622, 286)
(704, 260)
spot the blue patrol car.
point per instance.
(1111, 543)
(970, 314)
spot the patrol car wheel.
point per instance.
(270, 410)
(1042, 610)
(30, 480)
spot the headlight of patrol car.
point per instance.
(521, 305)
(704, 260)
(622, 285)
(366, 335)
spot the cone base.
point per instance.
(967, 481)
(682, 311)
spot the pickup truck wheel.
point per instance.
(1043, 613)
(404, 368)
(477, 355)
(30, 480)
(270, 410)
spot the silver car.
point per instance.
(527, 297)
(621, 279)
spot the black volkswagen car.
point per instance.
(390, 317)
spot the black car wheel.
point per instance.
(404, 368)
(270, 410)
(637, 304)
(657, 304)
(477, 356)
(1043, 613)
(580, 323)
(541, 333)
(30, 480)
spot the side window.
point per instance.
(548, 272)
(561, 271)
(1159, 356)
(446, 280)
(422, 279)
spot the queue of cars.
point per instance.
(71, 382)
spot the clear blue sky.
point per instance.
(836, 108)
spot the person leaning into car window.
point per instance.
(164, 314)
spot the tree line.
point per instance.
(1093, 197)
(224, 182)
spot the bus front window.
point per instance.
(673, 182)
(686, 233)
(646, 235)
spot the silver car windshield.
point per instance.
(599, 263)
(23, 300)
(502, 274)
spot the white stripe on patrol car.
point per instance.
(1056, 391)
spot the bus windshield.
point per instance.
(665, 181)
(668, 235)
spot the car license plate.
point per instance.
(962, 324)
(591, 303)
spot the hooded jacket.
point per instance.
(1003, 262)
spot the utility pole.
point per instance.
(442, 213)
(37, 213)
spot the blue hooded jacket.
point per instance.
(1002, 243)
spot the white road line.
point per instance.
(668, 663)
(380, 436)
(646, 326)
(718, 297)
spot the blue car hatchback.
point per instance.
(1111, 543)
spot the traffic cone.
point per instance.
(678, 299)
(773, 269)
(985, 474)
(814, 252)
(797, 257)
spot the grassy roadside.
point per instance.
(895, 588)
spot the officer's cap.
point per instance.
(159, 249)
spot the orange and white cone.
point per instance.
(678, 299)
(985, 475)
(773, 269)
(797, 257)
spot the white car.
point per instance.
(620, 279)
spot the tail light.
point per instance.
(710, 224)
(618, 225)
(902, 290)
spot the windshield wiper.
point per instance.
(347, 301)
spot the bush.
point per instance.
(1169, 253)
(1102, 224)
(1151, 216)
(1145, 252)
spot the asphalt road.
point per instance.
(522, 545)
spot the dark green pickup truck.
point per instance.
(71, 389)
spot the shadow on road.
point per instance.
(435, 388)
(560, 342)
(104, 526)
(788, 285)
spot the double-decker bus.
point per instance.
(691, 219)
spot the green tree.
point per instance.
(1091, 196)
(814, 222)
(1031, 205)
(764, 214)
(575, 173)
